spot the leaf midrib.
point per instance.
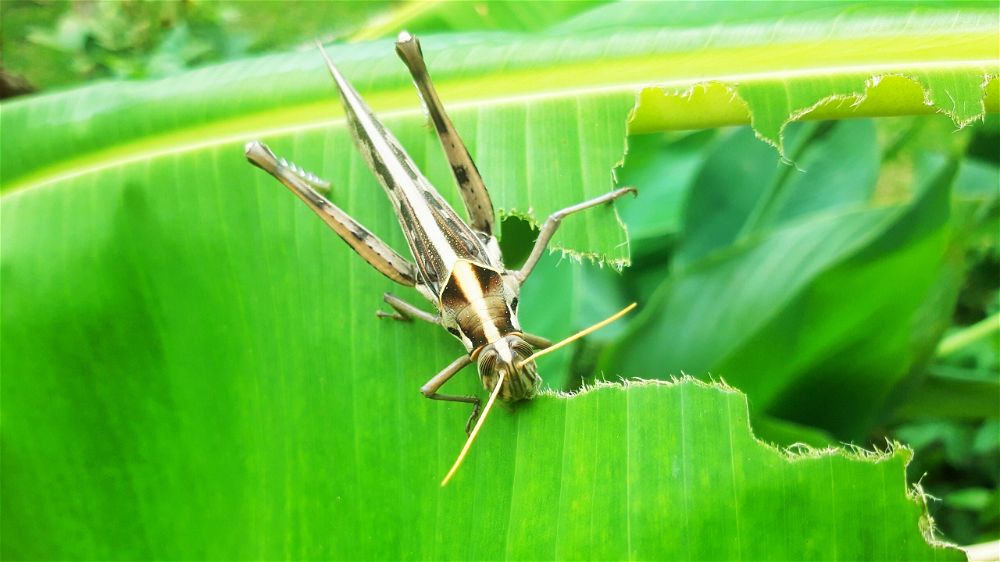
(605, 76)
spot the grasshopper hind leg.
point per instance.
(304, 185)
(312, 180)
(470, 183)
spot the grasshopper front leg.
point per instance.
(538, 342)
(552, 224)
(376, 252)
(430, 388)
(405, 311)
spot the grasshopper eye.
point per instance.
(487, 363)
(513, 304)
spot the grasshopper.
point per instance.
(456, 265)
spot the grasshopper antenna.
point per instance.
(475, 430)
(578, 335)
(496, 390)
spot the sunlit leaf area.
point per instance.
(192, 367)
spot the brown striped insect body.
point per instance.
(457, 265)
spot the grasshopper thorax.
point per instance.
(479, 307)
(508, 355)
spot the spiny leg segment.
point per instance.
(376, 252)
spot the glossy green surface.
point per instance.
(192, 367)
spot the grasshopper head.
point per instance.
(508, 354)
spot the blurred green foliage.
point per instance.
(944, 405)
(690, 221)
(57, 43)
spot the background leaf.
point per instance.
(830, 238)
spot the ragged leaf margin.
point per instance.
(793, 453)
